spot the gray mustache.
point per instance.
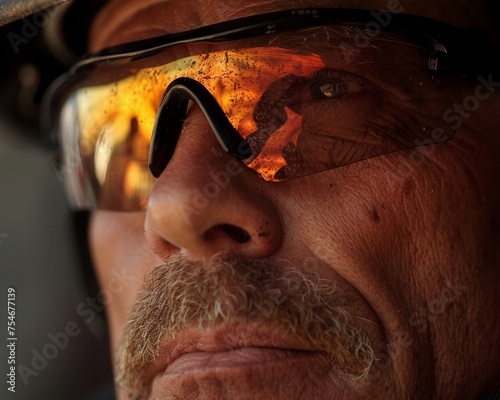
(185, 294)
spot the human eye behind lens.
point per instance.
(329, 84)
(326, 89)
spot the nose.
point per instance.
(205, 202)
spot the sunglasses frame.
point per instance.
(462, 46)
(456, 50)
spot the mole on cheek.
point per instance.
(374, 214)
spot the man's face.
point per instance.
(380, 279)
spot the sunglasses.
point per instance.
(288, 94)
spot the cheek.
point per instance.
(354, 216)
(403, 221)
(390, 233)
(362, 225)
(121, 259)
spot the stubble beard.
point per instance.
(184, 294)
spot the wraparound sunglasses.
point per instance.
(288, 93)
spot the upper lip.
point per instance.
(225, 338)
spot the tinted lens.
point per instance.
(306, 102)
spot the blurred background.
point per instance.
(43, 253)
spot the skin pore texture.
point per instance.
(353, 283)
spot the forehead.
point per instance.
(128, 20)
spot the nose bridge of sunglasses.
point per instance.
(171, 116)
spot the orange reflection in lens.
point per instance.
(117, 119)
(238, 82)
(116, 122)
(138, 183)
(271, 159)
(240, 78)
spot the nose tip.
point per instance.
(205, 202)
(230, 224)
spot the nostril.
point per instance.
(237, 234)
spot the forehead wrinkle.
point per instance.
(128, 20)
